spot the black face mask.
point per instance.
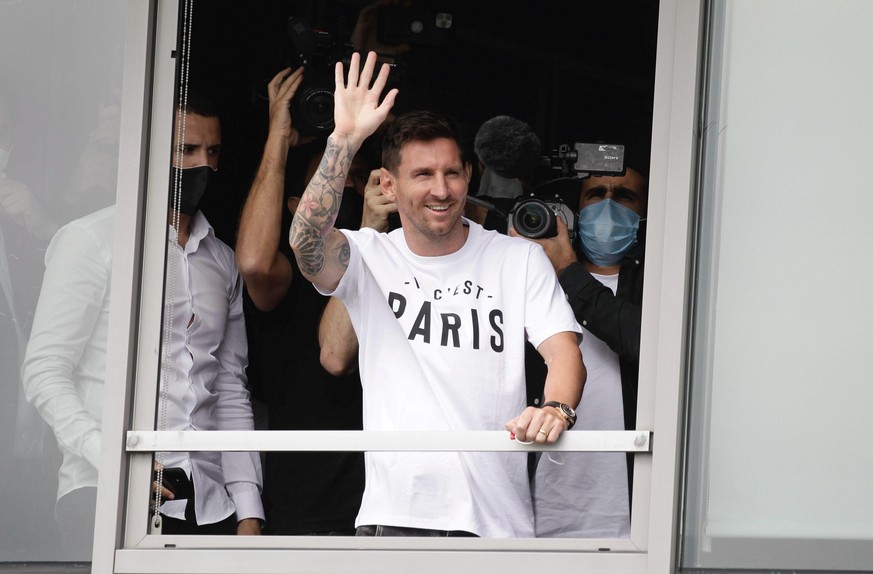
(193, 182)
(351, 210)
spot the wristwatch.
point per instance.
(565, 411)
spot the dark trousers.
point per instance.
(382, 530)
(340, 532)
(75, 513)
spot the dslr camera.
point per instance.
(535, 215)
(318, 52)
(315, 50)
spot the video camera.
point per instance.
(587, 159)
(536, 216)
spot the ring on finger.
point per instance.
(543, 432)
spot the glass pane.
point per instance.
(531, 68)
(60, 83)
(780, 386)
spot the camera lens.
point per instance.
(533, 218)
(318, 109)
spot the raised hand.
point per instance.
(281, 90)
(357, 110)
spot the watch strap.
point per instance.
(566, 412)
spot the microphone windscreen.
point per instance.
(508, 146)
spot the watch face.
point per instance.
(568, 410)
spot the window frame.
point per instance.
(121, 541)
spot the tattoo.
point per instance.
(309, 247)
(318, 208)
(344, 255)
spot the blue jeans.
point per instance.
(382, 530)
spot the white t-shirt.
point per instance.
(587, 496)
(442, 348)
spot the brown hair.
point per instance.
(417, 126)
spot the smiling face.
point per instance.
(430, 187)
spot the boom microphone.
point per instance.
(509, 150)
(507, 146)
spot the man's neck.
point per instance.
(183, 230)
(601, 270)
(437, 247)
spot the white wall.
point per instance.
(788, 336)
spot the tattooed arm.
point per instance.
(322, 251)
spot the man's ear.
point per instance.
(387, 184)
(293, 202)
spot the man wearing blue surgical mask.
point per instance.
(588, 496)
(610, 211)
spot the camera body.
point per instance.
(535, 214)
(586, 159)
(316, 51)
(537, 217)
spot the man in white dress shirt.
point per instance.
(204, 370)
(63, 372)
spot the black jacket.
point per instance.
(614, 319)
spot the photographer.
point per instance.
(603, 282)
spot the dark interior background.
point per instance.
(575, 71)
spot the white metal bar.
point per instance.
(120, 356)
(657, 493)
(217, 561)
(409, 441)
(159, 136)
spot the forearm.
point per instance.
(266, 271)
(566, 374)
(233, 409)
(75, 429)
(565, 380)
(337, 339)
(248, 527)
(316, 213)
(65, 355)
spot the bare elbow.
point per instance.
(336, 365)
(251, 266)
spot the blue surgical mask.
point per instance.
(607, 230)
